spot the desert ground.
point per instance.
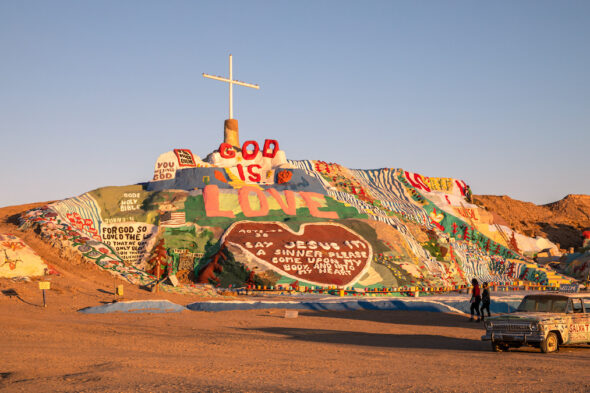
(59, 349)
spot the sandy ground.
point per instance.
(58, 349)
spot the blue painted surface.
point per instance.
(140, 306)
(191, 178)
(440, 304)
(496, 307)
(319, 306)
(347, 305)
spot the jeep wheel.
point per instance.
(499, 346)
(550, 343)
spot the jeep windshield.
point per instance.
(539, 303)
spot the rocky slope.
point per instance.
(561, 222)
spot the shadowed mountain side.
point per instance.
(565, 235)
(401, 318)
(418, 341)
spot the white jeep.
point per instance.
(544, 320)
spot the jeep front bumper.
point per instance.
(513, 337)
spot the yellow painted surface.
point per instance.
(44, 285)
(17, 259)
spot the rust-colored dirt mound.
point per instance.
(574, 207)
(561, 222)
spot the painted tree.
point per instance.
(159, 260)
(513, 243)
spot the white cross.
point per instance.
(231, 82)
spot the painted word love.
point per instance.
(287, 202)
(250, 150)
(319, 254)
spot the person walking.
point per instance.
(475, 299)
(485, 300)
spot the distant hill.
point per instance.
(561, 222)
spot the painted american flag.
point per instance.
(172, 219)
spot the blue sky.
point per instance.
(494, 93)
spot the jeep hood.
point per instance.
(523, 317)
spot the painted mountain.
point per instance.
(251, 216)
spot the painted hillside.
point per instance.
(251, 216)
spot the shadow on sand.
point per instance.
(13, 293)
(398, 317)
(420, 341)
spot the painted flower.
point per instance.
(93, 254)
(284, 176)
(84, 248)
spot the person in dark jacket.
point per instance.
(475, 299)
(485, 300)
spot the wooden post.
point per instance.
(157, 277)
(43, 285)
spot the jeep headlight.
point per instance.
(488, 325)
(534, 327)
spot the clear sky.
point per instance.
(496, 93)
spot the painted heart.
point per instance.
(320, 253)
(436, 217)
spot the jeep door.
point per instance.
(578, 324)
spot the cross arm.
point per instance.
(235, 82)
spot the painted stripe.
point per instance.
(85, 205)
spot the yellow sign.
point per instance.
(119, 290)
(44, 284)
